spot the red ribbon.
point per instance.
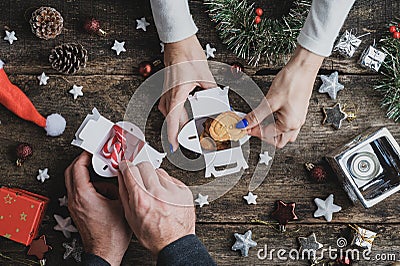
(114, 149)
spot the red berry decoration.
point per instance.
(92, 25)
(236, 70)
(396, 35)
(257, 20)
(317, 172)
(24, 151)
(145, 69)
(392, 29)
(259, 12)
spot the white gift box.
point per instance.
(205, 104)
(363, 237)
(372, 58)
(347, 44)
(96, 130)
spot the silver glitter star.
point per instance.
(202, 200)
(334, 115)
(310, 243)
(73, 250)
(142, 24)
(118, 47)
(10, 36)
(331, 85)
(43, 175)
(326, 208)
(250, 198)
(63, 201)
(243, 243)
(64, 225)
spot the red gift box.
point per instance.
(21, 212)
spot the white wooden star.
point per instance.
(162, 47)
(326, 208)
(43, 79)
(63, 201)
(210, 51)
(64, 225)
(43, 175)
(331, 85)
(10, 37)
(118, 47)
(244, 243)
(251, 198)
(1, 64)
(76, 91)
(142, 24)
(202, 200)
(265, 158)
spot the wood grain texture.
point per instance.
(109, 82)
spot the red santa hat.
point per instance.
(17, 102)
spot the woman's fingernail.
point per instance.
(171, 148)
(242, 123)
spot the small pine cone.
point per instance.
(46, 23)
(24, 151)
(68, 58)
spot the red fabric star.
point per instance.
(284, 212)
(39, 247)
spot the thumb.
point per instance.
(255, 117)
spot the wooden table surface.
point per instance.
(108, 83)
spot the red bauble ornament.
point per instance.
(317, 172)
(396, 35)
(145, 69)
(24, 151)
(259, 12)
(92, 25)
(257, 20)
(237, 70)
(392, 29)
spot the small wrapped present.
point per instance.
(372, 58)
(347, 44)
(21, 213)
(362, 237)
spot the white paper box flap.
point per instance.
(232, 158)
(209, 102)
(189, 138)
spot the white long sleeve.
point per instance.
(173, 20)
(323, 24)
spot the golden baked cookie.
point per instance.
(223, 127)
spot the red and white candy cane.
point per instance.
(114, 148)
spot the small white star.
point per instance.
(142, 24)
(265, 158)
(63, 201)
(1, 64)
(76, 91)
(43, 79)
(43, 175)
(10, 37)
(251, 198)
(210, 51)
(118, 47)
(326, 208)
(162, 47)
(202, 200)
(64, 225)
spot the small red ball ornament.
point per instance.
(259, 12)
(24, 151)
(237, 70)
(92, 25)
(396, 35)
(317, 172)
(145, 69)
(392, 29)
(257, 20)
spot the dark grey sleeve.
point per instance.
(93, 260)
(185, 251)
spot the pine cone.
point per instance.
(46, 23)
(68, 58)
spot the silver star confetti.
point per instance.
(250, 198)
(63, 201)
(73, 250)
(326, 208)
(202, 200)
(142, 24)
(118, 47)
(334, 116)
(43, 175)
(331, 85)
(210, 51)
(244, 243)
(64, 225)
(265, 158)
(310, 243)
(43, 79)
(76, 91)
(10, 36)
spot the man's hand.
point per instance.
(288, 98)
(190, 69)
(158, 207)
(100, 220)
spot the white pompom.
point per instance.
(55, 125)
